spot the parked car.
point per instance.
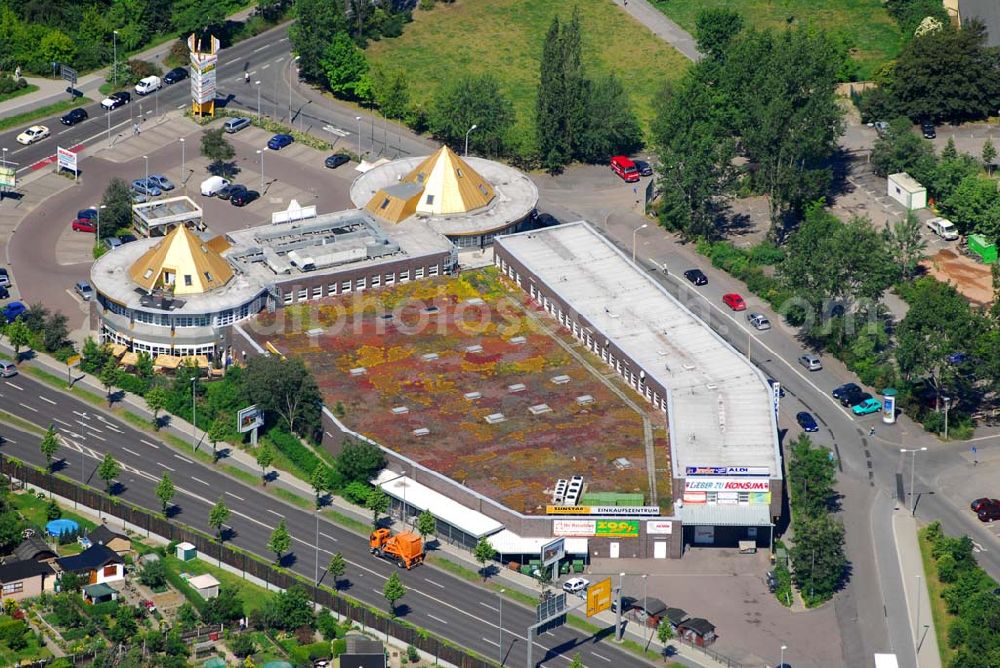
(943, 227)
(160, 181)
(758, 321)
(278, 142)
(87, 213)
(33, 134)
(645, 169)
(84, 225)
(576, 585)
(854, 398)
(127, 238)
(989, 513)
(116, 100)
(83, 289)
(734, 301)
(927, 128)
(74, 116)
(869, 405)
(12, 310)
(4, 293)
(336, 160)
(983, 502)
(811, 362)
(112, 243)
(145, 187)
(212, 185)
(806, 421)
(881, 128)
(7, 369)
(243, 197)
(234, 125)
(696, 276)
(148, 85)
(4, 278)
(226, 191)
(846, 388)
(175, 75)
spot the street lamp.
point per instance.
(645, 602)
(257, 84)
(260, 152)
(947, 407)
(146, 158)
(99, 209)
(358, 119)
(501, 592)
(183, 169)
(782, 663)
(474, 126)
(916, 635)
(913, 463)
(107, 114)
(194, 417)
(634, 233)
(290, 88)
(114, 42)
(618, 608)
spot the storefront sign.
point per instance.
(66, 158)
(727, 470)
(582, 528)
(763, 498)
(659, 527)
(603, 510)
(695, 497)
(726, 485)
(617, 529)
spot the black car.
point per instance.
(336, 160)
(73, 116)
(846, 388)
(227, 191)
(127, 238)
(806, 421)
(545, 220)
(853, 397)
(175, 75)
(645, 169)
(243, 197)
(696, 276)
(989, 513)
(4, 293)
(116, 100)
(927, 128)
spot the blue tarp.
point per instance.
(59, 527)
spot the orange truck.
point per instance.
(406, 549)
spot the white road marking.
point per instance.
(88, 426)
(201, 481)
(238, 498)
(16, 387)
(602, 658)
(61, 422)
(436, 618)
(186, 461)
(274, 513)
(43, 398)
(326, 535)
(83, 415)
(164, 466)
(495, 644)
(99, 438)
(152, 445)
(261, 48)
(436, 584)
(131, 452)
(181, 106)
(487, 605)
(278, 60)
(264, 67)
(33, 410)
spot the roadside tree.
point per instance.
(117, 207)
(217, 517)
(165, 492)
(280, 541)
(337, 567)
(156, 401)
(905, 244)
(265, 457)
(393, 591)
(377, 502)
(48, 446)
(345, 67)
(426, 524)
(218, 432)
(108, 470)
(359, 461)
(19, 336)
(483, 552)
(319, 21)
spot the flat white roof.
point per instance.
(508, 542)
(440, 506)
(203, 581)
(719, 405)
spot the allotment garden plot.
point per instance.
(456, 374)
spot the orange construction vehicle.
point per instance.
(406, 549)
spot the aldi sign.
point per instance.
(727, 470)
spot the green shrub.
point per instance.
(10, 84)
(357, 492)
(301, 457)
(338, 647)
(242, 645)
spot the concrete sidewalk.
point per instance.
(662, 27)
(918, 600)
(51, 91)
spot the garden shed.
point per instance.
(206, 585)
(186, 551)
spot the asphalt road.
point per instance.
(437, 601)
(266, 58)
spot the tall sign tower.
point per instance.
(203, 67)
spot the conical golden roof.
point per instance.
(182, 261)
(449, 185)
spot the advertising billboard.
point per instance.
(204, 66)
(726, 485)
(659, 527)
(553, 551)
(67, 159)
(249, 418)
(8, 177)
(603, 528)
(603, 510)
(727, 470)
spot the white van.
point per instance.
(944, 228)
(212, 185)
(148, 85)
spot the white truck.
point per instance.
(944, 228)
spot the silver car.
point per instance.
(84, 290)
(758, 321)
(811, 362)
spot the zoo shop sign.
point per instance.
(596, 528)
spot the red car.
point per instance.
(84, 225)
(985, 502)
(734, 301)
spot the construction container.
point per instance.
(983, 249)
(907, 191)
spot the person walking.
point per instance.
(246, 78)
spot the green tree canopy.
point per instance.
(483, 552)
(377, 502)
(156, 401)
(393, 591)
(117, 207)
(812, 475)
(165, 492)
(49, 445)
(19, 336)
(903, 150)
(715, 28)
(287, 388)
(344, 66)
(216, 147)
(318, 22)
(280, 541)
(560, 111)
(974, 206)
(426, 524)
(264, 456)
(612, 127)
(473, 100)
(108, 470)
(337, 567)
(198, 16)
(359, 461)
(818, 555)
(218, 516)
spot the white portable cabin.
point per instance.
(907, 191)
(886, 661)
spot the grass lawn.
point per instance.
(253, 596)
(33, 509)
(942, 620)
(30, 88)
(872, 32)
(504, 38)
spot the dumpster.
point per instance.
(982, 248)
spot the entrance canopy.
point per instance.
(757, 515)
(421, 497)
(508, 542)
